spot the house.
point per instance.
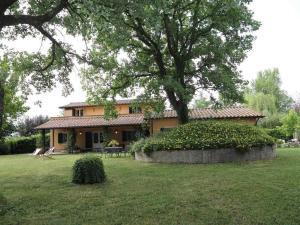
(90, 128)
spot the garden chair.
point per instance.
(37, 151)
(48, 153)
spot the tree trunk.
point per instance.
(182, 112)
(1, 110)
(179, 106)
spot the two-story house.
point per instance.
(90, 127)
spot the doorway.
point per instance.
(88, 140)
(98, 140)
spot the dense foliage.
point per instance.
(277, 133)
(11, 102)
(206, 135)
(21, 145)
(88, 170)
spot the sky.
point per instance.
(277, 46)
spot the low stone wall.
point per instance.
(208, 156)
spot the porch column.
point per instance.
(71, 139)
(43, 133)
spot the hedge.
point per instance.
(206, 135)
(21, 145)
(277, 133)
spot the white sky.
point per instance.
(277, 45)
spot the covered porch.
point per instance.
(87, 139)
(84, 134)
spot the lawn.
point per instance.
(39, 192)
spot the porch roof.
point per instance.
(91, 121)
(137, 119)
(211, 113)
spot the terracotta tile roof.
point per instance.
(84, 104)
(210, 113)
(91, 121)
(136, 119)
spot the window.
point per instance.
(77, 112)
(164, 129)
(129, 136)
(96, 138)
(101, 138)
(62, 138)
(134, 109)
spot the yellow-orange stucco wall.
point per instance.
(99, 110)
(157, 124)
(163, 123)
(68, 112)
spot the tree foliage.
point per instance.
(38, 71)
(168, 49)
(266, 95)
(11, 102)
(291, 123)
(154, 49)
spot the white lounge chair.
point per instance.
(48, 153)
(37, 151)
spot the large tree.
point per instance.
(169, 49)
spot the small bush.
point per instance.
(205, 135)
(88, 170)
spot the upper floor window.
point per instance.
(135, 109)
(77, 112)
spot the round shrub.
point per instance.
(88, 170)
(205, 135)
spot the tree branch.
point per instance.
(39, 20)
(5, 4)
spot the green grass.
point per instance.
(40, 192)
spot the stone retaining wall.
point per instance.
(208, 156)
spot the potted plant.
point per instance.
(113, 143)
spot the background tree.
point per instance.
(291, 123)
(266, 95)
(26, 127)
(12, 104)
(202, 103)
(169, 49)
